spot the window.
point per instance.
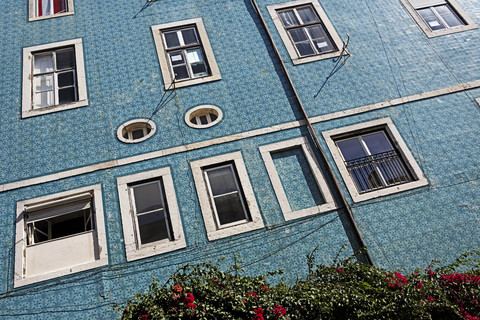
(43, 9)
(150, 216)
(226, 196)
(184, 53)
(306, 31)
(202, 117)
(298, 183)
(53, 78)
(59, 235)
(439, 17)
(135, 131)
(373, 160)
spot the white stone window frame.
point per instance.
(136, 124)
(32, 11)
(302, 143)
(478, 101)
(213, 231)
(387, 125)
(165, 66)
(27, 88)
(200, 110)
(98, 233)
(289, 45)
(133, 248)
(469, 23)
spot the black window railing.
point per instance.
(378, 171)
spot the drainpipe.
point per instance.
(313, 134)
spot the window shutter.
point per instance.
(57, 208)
(418, 4)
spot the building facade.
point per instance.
(138, 137)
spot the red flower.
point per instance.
(278, 311)
(431, 298)
(145, 316)
(177, 288)
(258, 310)
(420, 285)
(258, 316)
(244, 301)
(265, 288)
(252, 294)
(191, 305)
(340, 270)
(189, 298)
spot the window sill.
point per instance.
(153, 249)
(62, 107)
(194, 81)
(58, 15)
(233, 230)
(318, 57)
(387, 191)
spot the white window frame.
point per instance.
(215, 232)
(302, 143)
(98, 233)
(387, 125)
(469, 23)
(290, 46)
(133, 125)
(133, 248)
(198, 111)
(32, 11)
(27, 88)
(478, 101)
(163, 59)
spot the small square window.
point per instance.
(53, 78)
(293, 163)
(439, 17)
(226, 196)
(44, 9)
(59, 234)
(373, 160)
(150, 216)
(184, 53)
(306, 31)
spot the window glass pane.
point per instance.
(213, 117)
(351, 149)
(229, 208)
(307, 15)
(289, 19)
(59, 6)
(377, 143)
(153, 226)
(45, 8)
(304, 48)
(171, 39)
(43, 99)
(320, 40)
(298, 35)
(449, 16)
(43, 63)
(189, 36)
(65, 59)
(199, 69)
(66, 79)
(147, 197)
(43, 83)
(176, 58)
(431, 19)
(203, 120)
(181, 72)
(194, 120)
(137, 134)
(66, 95)
(222, 180)
(194, 56)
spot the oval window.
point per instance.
(203, 116)
(135, 131)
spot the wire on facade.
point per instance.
(339, 63)
(166, 98)
(147, 4)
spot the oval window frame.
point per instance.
(205, 108)
(139, 123)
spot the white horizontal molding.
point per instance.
(238, 136)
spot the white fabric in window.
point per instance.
(417, 4)
(47, 8)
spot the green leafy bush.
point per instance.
(347, 289)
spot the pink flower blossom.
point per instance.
(191, 305)
(189, 298)
(340, 270)
(278, 311)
